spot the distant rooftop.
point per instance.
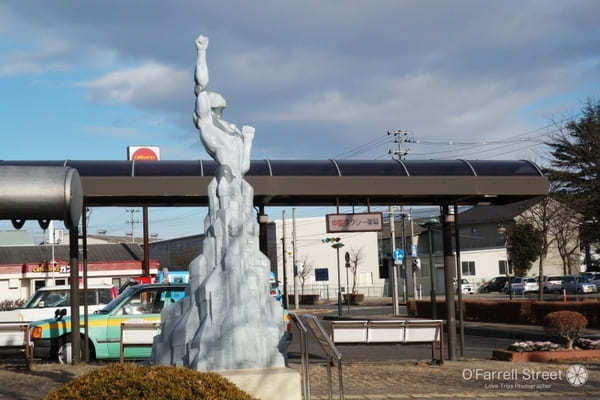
(15, 238)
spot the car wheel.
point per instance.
(64, 352)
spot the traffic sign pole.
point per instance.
(395, 267)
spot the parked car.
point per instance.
(569, 283)
(585, 285)
(140, 303)
(553, 284)
(495, 285)
(143, 302)
(466, 286)
(590, 276)
(46, 301)
(531, 285)
(595, 279)
(521, 285)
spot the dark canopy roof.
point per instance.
(311, 182)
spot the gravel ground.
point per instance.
(373, 380)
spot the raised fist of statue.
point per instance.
(248, 131)
(201, 42)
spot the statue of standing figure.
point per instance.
(223, 141)
(228, 319)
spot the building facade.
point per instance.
(24, 269)
(314, 257)
(483, 247)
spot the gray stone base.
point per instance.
(268, 383)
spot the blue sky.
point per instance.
(83, 80)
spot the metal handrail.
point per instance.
(304, 355)
(329, 349)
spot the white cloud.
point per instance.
(47, 55)
(150, 85)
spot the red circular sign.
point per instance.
(144, 154)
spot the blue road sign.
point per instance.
(398, 255)
(321, 274)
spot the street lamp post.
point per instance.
(432, 295)
(501, 229)
(347, 258)
(337, 247)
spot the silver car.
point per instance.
(523, 285)
(553, 284)
(584, 285)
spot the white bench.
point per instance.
(390, 331)
(16, 337)
(137, 334)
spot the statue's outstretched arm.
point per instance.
(202, 109)
(201, 73)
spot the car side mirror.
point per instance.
(41, 304)
(58, 314)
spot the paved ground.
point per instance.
(380, 380)
(382, 371)
(404, 380)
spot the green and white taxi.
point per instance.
(139, 303)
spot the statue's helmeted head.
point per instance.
(217, 102)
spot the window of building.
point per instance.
(468, 267)
(502, 265)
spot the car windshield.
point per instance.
(117, 300)
(531, 280)
(555, 278)
(47, 298)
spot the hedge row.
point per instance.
(516, 311)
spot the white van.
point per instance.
(47, 300)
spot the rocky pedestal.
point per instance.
(228, 319)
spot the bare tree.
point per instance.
(307, 267)
(565, 228)
(356, 259)
(542, 217)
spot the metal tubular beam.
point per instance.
(447, 221)
(74, 265)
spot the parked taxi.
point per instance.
(139, 303)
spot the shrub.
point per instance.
(588, 344)
(533, 346)
(589, 308)
(131, 381)
(567, 325)
(7, 305)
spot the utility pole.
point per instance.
(447, 222)
(132, 221)
(461, 328)
(284, 258)
(395, 266)
(294, 260)
(399, 138)
(413, 244)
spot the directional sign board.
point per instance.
(361, 222)
(398, 255)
